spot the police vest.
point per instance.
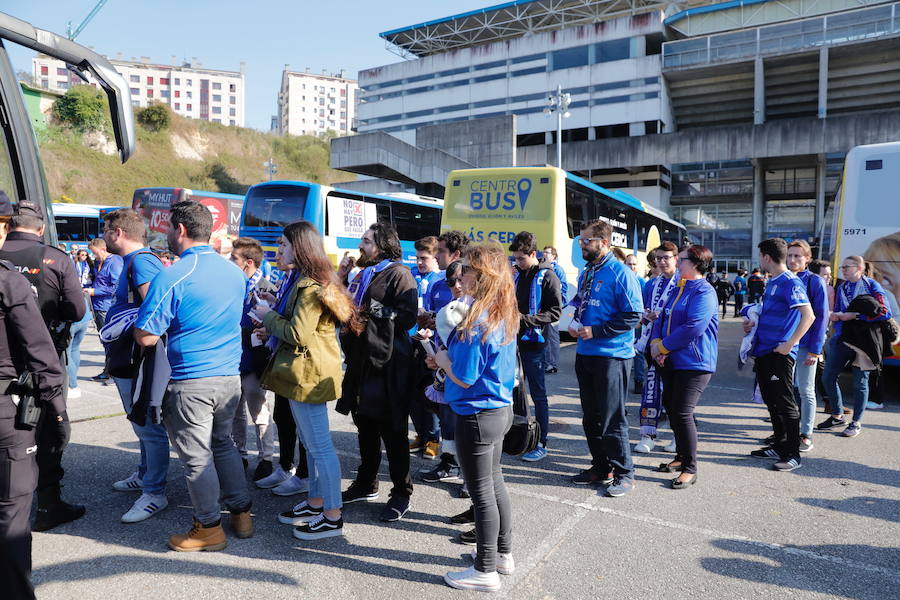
(533, 334)
(32, 264)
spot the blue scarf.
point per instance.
(252, 282)
(283, 293)
(364, 278)
(586, 283)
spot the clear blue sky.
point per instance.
(265, 34)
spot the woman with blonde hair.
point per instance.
(884, 256)
(306, 368)
(480, 362)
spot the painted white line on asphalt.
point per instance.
(591, 505)
(733, 389)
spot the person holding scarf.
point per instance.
(655, 295)
(854, 284)
(480, 363)
(380, 375)
(608, 307)
(306, 368)
(684, 347)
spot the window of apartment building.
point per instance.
(612, 50)
(135, 102)
(45, 84)
(177, 81)
(164, 93)
(178, 93)
(321, 101)
(135, 78)
(188, 106)
(134, 91)
(217, 97)
(163, 81)
(46, 71)
(217, 110)
(231, 122)
(62, 71)
(149, 93)
(343, 92)
(344, 115)
(177, 106)
(149, 81)
(232, 100)
(217, 121)
(232, 88)
(322, 124)
(189, 94)
(569, 58)
(62, 84)
(232, 112)
(216, 85)
(321, 112)
(343, 104)
(189, 82)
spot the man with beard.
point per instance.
(378, 380)
(608, 307)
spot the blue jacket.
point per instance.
(563, 284)
(814, 339)
(866, 285)
(608, 301)
(106, 282)
(689, 327)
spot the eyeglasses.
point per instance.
(666, 257)
(585, 241)
(850, 267)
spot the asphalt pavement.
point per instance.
(828, 530)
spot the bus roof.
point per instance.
(77, 210)
(391, 197)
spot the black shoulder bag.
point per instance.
(525, 433)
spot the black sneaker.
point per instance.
(318, 528)
(589, 477)
(806, 444)
(395, 508)
(769, 441)
(464, 492)
(359, 493)
(767, 452)
(787, 465)
(58, 514)
(464, 518)
(830, 423)
(552, 371)
(447, 470)
(263, 470)
(468, 538)
(100, 377)
(301, 513)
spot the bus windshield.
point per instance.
(275, 205)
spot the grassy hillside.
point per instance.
(191, 154)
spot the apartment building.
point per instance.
(314, 104)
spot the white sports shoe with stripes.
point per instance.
(132, 483)
(145, 507)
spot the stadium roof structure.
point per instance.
(514, 19)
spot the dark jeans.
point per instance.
(18, 474)
(479, 445)
(371, 432)
(775, 377)
(533, 365)
(287, 438)
(448, 422)
(424, 421)
(52, 436)
(738, 304)
(602, 382)
(681, 394)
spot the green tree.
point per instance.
(155, 117)
(83, 107)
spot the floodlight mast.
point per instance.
(559, 103)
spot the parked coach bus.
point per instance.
(867, 218)
(154, 203)
(553, 204)
(341, 215)
(76, 223)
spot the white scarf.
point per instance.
(658, 299)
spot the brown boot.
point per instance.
(242, 524)
(199, 538)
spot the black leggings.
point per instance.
(681, 394)
(287, 438)
(479, 444)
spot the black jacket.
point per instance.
(551, 302)
(868, 336)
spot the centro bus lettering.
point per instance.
(504, 237)
(499, 194)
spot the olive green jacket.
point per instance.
(306, 364)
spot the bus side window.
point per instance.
(414, 222)
(577, 210)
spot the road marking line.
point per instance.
(591, 505)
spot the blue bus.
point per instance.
(342, 216)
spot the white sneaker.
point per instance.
(73, 393)
(291, 486)
(646, 445)
(505, 563)
(277, 477)
(471, 579)
(869, 405)
(132, 483)
(145, 507)
(670, 447)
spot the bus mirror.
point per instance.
(81, 59)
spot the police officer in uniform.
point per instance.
(25, 345)
(60, 299)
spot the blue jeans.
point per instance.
(533, 365)
(73, 354)
(154, 444)
(425, 422)
(805, 390)
(836, 358)
(551, 350)
(321, 457)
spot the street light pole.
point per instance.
(559, 103)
